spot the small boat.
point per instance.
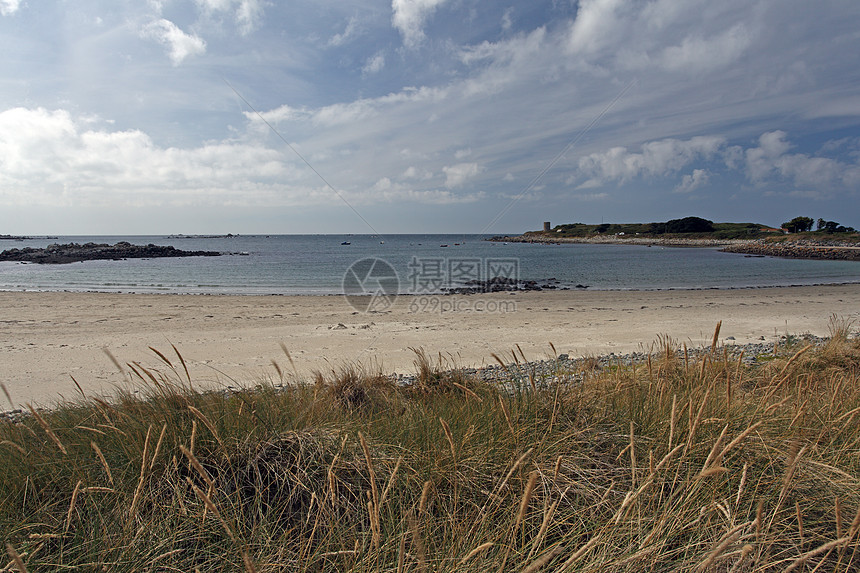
(443, 245)
(346, 243)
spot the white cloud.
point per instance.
(279, 114)
(387, 191)
(657, 158)
(819, 172)
(413, 172)
(597, 23)
(246, 12)
(428, 197)
(458, 175)
(509, 64)
(693, 181)
(409, 16)
(590, 196)
(507, 20)
(179, 44)
(760, 161)
(361, 109)
(8, 7)
(698, 54)
(440, 197)
(49, 157)
(688, 37)
(383, 184)
(765, 164)
(216, 5)
(347, 34)
(514, 51)
(374, 64)
(32, 144)
(770, 160)
(658, 15)
(53, 158)
(346, 113)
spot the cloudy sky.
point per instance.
(261, 116)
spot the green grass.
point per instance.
(677, 464)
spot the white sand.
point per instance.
(45, 338)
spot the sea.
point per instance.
(414, 264)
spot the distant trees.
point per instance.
(685, 225)
(798, 225)
(833, 227)
(702, 227)
(803, 224)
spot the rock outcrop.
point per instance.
(505, 284)
(73, 252)
(797, 250)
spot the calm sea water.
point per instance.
(316, 265)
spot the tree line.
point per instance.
(804, 224)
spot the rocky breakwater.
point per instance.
(798, 250)
(73, 252)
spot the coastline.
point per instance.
(803, 248)
(548, 239)
(230, 340)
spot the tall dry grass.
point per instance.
(690, 461)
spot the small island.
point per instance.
(796, 239)
(73, 252)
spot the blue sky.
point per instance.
(130, 117)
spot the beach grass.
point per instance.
(690, 461)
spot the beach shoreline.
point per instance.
(46, 338)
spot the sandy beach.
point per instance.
(48, 338)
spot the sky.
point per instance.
(422, 116)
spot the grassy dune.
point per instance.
(679, 463)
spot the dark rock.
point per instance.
(505, 284)
(798, 249)
(73, 252)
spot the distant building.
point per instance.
(546, 227)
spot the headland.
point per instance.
(748, 238)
